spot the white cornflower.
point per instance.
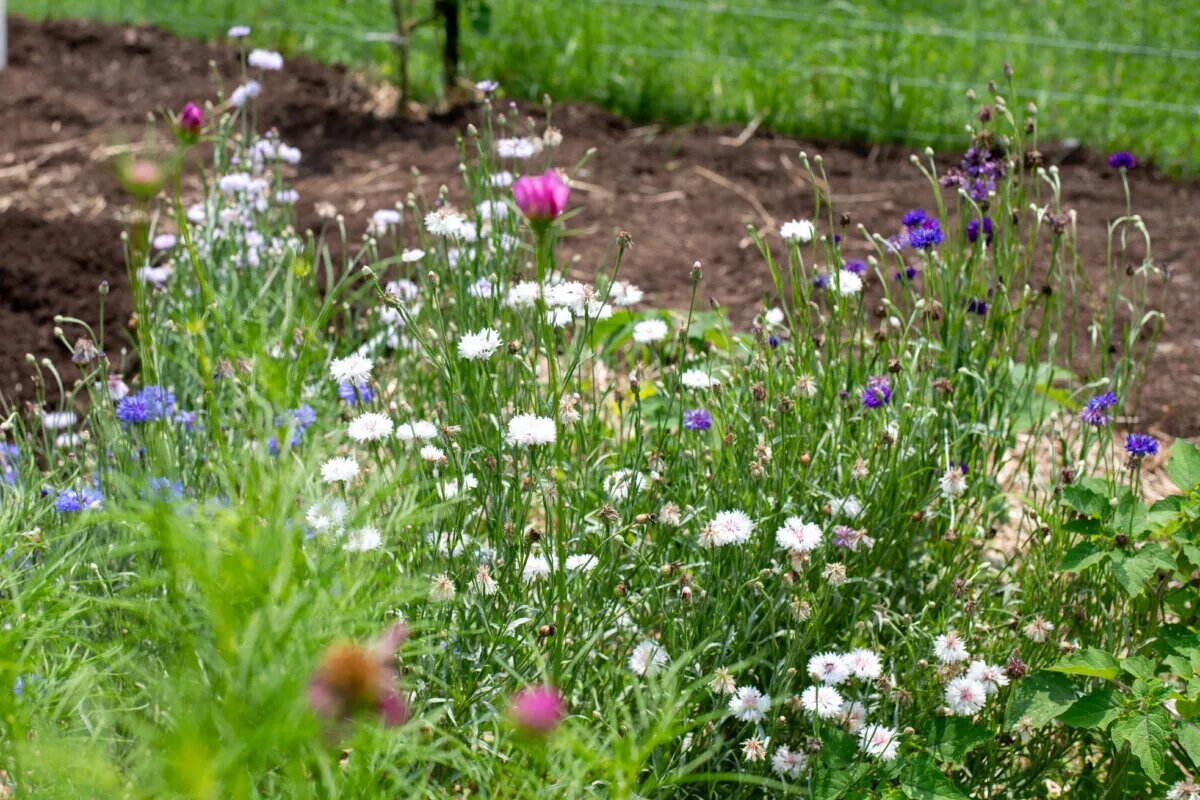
(418, 429)
(492, 210)
(566, 293)
(797, 230)
(450, 489)
(411, 255)
(326, 515)
(339, 470)
(989, 675)
(824, 701)
(536, 568)
(828, 668)
(954, 482)
(384, 218)
(287, 197)
(523, 294)
(650, 330)
(788, 763)
(722, 682)
(363, 539)
(433, 455)
(483, 583)
(624, 294)
(446, 222)
(164, 241)
(559, 317)
(234, 182)
(696, 379)
(806, 386)
(441, 589)
(69, 439)
(670, 515)
(774, 316)
(754, 749)
(526, 430)
(247, 91)
(1184, 790)
(949, 648)
(797, 535)
(581, 563)
(647, 658)
(1038, 630)
(965, 696)
(848, 507)
(57, 420)
(517, 147)
(479, 345)
(265, 59)
(502, 179)
(238, 32)
(369, 427)
(731, 527)
(354, 369)
(749, 704)
(879, 741)
(864, 664)
(622, 483)
(854, 716)
(845, 283)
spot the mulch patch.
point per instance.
(77, 92)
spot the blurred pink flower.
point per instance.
(191, 118)
(543, 198)
(352, 678)
(537, 709)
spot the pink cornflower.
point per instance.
(352, 678)
(541, 199)
(537, 709)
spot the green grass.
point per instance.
(1109, 74)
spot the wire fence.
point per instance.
(1107, 72)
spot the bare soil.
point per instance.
(76, 93)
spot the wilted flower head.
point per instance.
(352, 679)
(537, 710)
(953, 481)
(541, 199)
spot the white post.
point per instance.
(3, 37)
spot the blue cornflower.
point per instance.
(165, 488)
(355, 394)
(72, 502)
(159, 401)
(857, 266)
(821, 281)
(697, 420)
(1122, 160)
(974, 227)
(304, 416)
(914, 217)
(133, 409)
(979, 307)
(1140, 445)
(187, 419)
(909, 273)
(877, 393)
(1093, 412)
(926, 235)
(773, 341)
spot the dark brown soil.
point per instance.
(76, 91)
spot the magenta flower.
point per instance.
(352, 679)
(191, 118)
(541, 199)
(537, 710)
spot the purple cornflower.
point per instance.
(979, 307)
(1122, 160)
(952, 179)
(72, 502)
(1140, 445)
(1093, 412)
(850, 539)
(857, 266)
(975, 226)
(357, 394)
(773, 341)
(909, 273)
(133, 409)
(981, 188)
(697, 420)
(914, 217)
(821, 281)
(187, 419)
(925, 235)
(877, 393)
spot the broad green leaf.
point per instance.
(1131, 515)
(1082, 556)
(1139, 667)
(1180, 667)
(1133, 570)
(1041, 697)
(1095, 710)
(1184, 466)
(1189, 738)
(951, 738)
(1089, 661)
(921, 780)
(1146, 734)
(1084, 500)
